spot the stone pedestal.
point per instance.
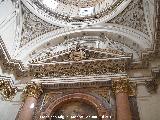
(31, 95)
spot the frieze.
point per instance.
(84, 67)
(11, 65)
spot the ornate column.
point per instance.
(31, 95)
(122, 88)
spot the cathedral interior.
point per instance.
(79, 59)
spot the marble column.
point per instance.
(121, 88)
(31, 95)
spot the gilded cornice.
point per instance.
(32, 90)
(84, 67)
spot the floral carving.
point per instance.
(133, 16)
(32, 90)
(33, 26)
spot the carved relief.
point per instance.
(91, 67)
(82, 3)
(7, 90)
(133, 16)
(32, 90)
(33, 26)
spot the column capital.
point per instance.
(123, 85)
(32, 90)
(7, 90)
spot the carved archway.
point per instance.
(102, 111)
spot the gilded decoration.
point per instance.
(123, 85)
(91, 67)
(32, 90)
(7, 90)
(77, 54)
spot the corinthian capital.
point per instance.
(7, 90)
(32, 90)
(123, 85)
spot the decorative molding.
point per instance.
(82, 3)
(84, 67)
(11, 65)
(137, 37)
(98, 104)
(79, 53)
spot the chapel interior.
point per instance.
(79, 59)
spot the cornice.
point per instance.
(10, 65)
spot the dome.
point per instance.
(78, 12)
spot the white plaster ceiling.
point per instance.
(35, 27)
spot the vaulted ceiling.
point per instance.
(43, 26)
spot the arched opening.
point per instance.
(77, 105)
(75, 110)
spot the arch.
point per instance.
(86, 98)
(136, 36)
